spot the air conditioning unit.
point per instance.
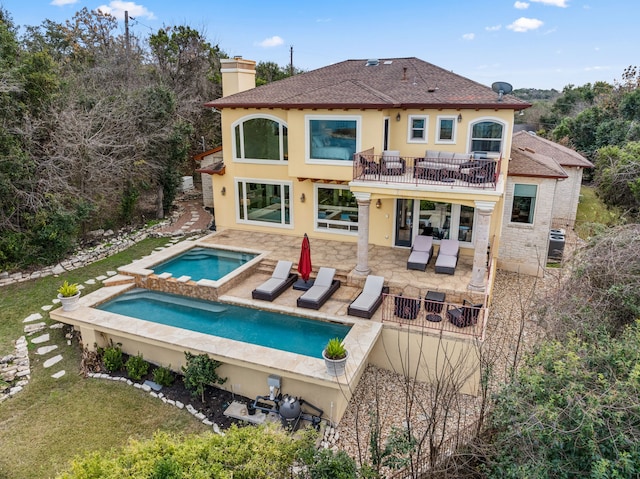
(556, 246)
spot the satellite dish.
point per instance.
(501, 88)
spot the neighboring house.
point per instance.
(211, 163)
(543, 190)
(367, 151)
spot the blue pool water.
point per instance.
(273, 330)
(204, 263)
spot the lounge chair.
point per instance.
(323, 287)
(420, 253)
(447, 256)
(281, 279)
(465, 316)
(370, 299)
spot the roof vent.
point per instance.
(388, 62)
(372, 62)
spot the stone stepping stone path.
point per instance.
(47, 307)
(51, 361)
(41, 339)
(41, 351)
(32, 317)
(58, 375)
(90, 281)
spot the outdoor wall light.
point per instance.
(302, 198)
(223, 191)
(459, 117)
(378, 203)
(398, 117)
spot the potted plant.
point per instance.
(69, 294)
(335, 357)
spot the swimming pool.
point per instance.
(264, 328)
(204, 263)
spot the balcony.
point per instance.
(455, 170)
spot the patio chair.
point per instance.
(281, 279)
(420, 253)
(447, 256)
(323, 287)
(370, 299)
(465, 316)
(369, 167)
(406, 308)
(392, 164)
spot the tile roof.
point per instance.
(527, 162)
(392, 83)
(563, 155)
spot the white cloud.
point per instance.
(553, 3)
(523, 24)
(273, 41)
(323, 20)
(118, 7)
(493, 28)
(521, 5)
(61, 3)
(596, 68)
(468, 36)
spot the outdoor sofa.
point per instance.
(281, 280)
(370, 299)
(323, 287)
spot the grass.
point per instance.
(593, 214)
(46, 425)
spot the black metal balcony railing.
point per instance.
(467, 319)
(454, 170)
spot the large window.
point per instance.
(446, 132)
(260, 138)
(446, 220)
(336, 209)
(331, 138)
(524, 203)
(487, 136)
(264, 202)
(418, 129)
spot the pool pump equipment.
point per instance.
(290, 409)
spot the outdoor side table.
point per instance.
(433, 303)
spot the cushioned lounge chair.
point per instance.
(370, 299)
(447, 256)
(323, 287)
(281, 279)
(465, 316)
(392, 164)
(420, 253)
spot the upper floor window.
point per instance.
(260, 138)
(332, 138)
(446, 132)
(487, 136)
(418, 129)
(524, 202)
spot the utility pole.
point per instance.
(291, 60)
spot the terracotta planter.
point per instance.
(335, 367)
(69, 303)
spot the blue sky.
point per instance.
(528, 43)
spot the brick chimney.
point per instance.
(237, 75)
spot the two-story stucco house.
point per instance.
(367, 151)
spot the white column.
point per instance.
(364, 202)
(481, 227)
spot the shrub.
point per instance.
(163, 376)
(112, 358)
(199, 372)
(335, 349)
(137, 367)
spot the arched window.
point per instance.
(261, 138)
(487, 136)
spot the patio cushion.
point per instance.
(324, 277)
(281, 271)
(270, 285)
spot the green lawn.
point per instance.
(48, 423)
